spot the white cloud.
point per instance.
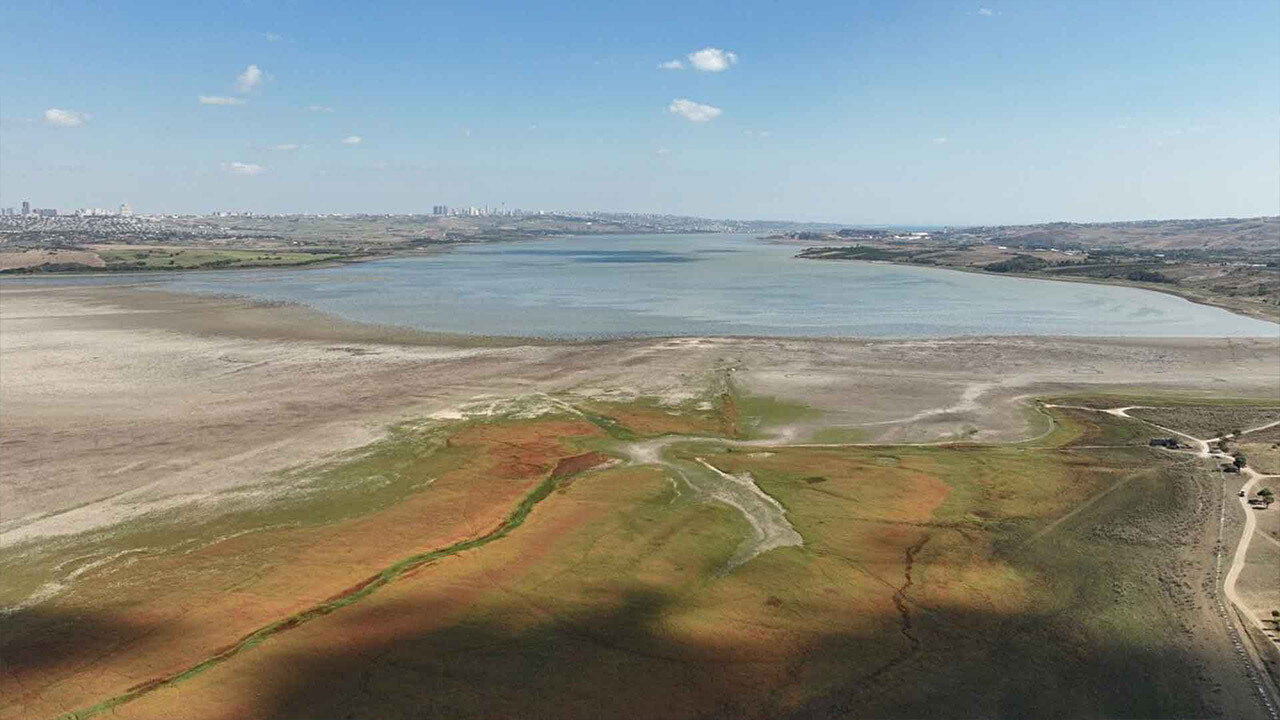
(319, 108)
(671, 65)
(220, 100)
(239, 168)
(286, 146)
(272, 37)
(757, 133)
(692, 111)
(986, 12)
(66, 118)
(664, 151)
(939, 140)
(712, 59)
(352, 140)
(250, 79)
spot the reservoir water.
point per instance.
(644, 285)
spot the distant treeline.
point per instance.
(853, 253)
(1017, 264)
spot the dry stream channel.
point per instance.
(767, 518)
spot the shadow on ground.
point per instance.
(625, 662)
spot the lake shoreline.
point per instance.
(1248, 312)
(719, 327)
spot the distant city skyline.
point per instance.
(438, 210)
(908, 113)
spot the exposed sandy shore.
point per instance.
(118, 401)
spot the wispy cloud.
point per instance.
(671, 65)
(220, 100)
(66, 118)
(664, 151)
(319, 108)
(986, 12)
(240, 168)
(251, 79)
(711, 59)
(272, 37)
(286, 147)
(939, 140)
(352, 140)
(757, 133)
(692, 111)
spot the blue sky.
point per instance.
(872, 112)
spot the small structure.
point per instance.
(1229, 468)
(1171, 443)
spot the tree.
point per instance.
(1240, 459)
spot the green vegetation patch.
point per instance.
(371, 585)
(855, 253)
(758, 415)
(1139, 397)
(1076, 427)
(205, 259)
(1207, 421)
(351, 485)
(1019, 263)
(1084, 537)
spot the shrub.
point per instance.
(1017, 263)
(1148, 276)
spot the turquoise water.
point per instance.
(642, 285)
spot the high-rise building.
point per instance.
(439, 209)
(125, 210)
(26, 207)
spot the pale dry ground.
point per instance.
(118, 401)
(32, 258)
(1259, 583)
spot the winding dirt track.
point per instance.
(1237, 562)
(1268, 693)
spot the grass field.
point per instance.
(1208, 421)
(493, 569)
(137, 258)
(210, 579)
(168, 258)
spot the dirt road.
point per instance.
(1268, 693)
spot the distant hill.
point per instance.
(1254, 234)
